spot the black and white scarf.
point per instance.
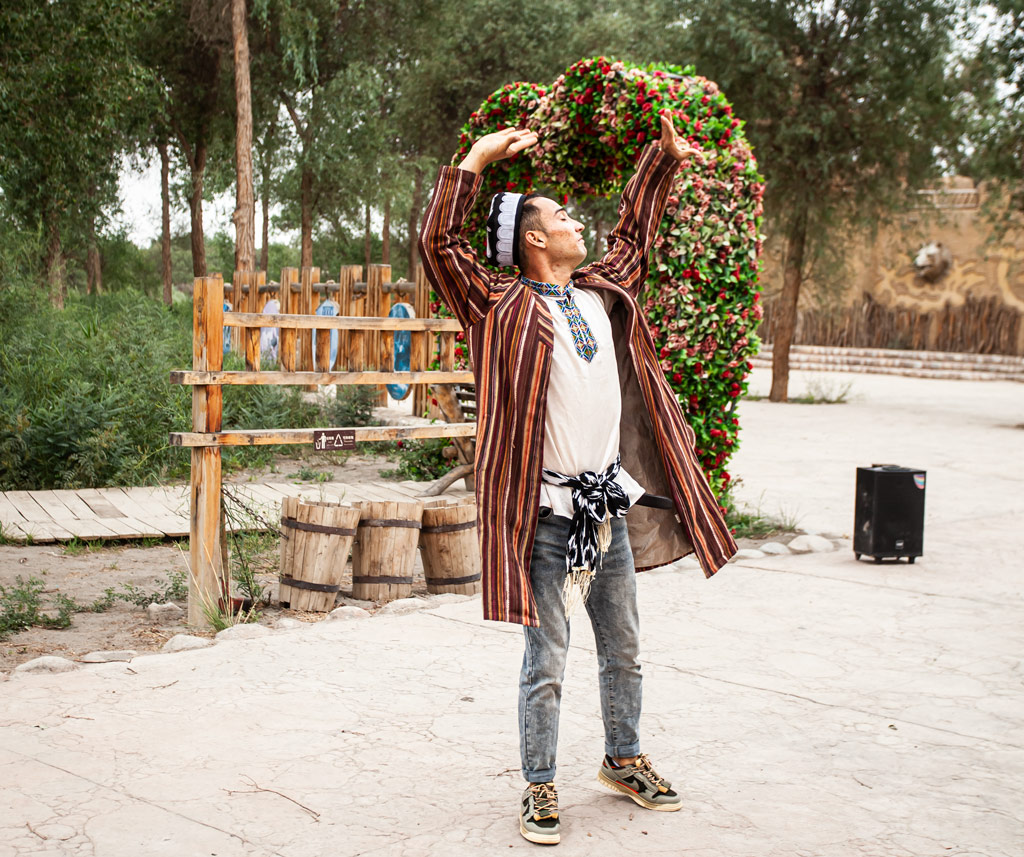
(596, 499)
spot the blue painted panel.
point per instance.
(403, 347)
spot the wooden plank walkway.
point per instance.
(161, 512)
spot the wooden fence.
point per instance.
(978, 326)
(365, 348)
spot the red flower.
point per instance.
(641, 136)
(399, 444)
(676, 378)
(458, 351)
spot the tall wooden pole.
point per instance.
(207, 583)
(245, 205)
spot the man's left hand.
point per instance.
(674, 145)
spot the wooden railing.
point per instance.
(369, 343)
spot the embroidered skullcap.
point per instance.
(503, 229)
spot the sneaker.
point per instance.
(538, 821)
(640, 782)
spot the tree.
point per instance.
(245, 204)
(184, 46)
(847, 105)
(70, 95)
(995, 79)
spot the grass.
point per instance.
(820, 391)
(747, 523)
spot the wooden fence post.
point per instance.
(287, 342)
(247, 294)
(207, 583)
(307, 306)
(376, 307)
(419, 359)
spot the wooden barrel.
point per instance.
(315, 541)
(449, 547)
(384, 551)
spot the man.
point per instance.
(576, 426)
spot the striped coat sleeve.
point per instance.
(449, 261)
(640, 211)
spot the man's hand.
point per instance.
(496, 146)
(673, 144)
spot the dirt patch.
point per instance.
(84, 574)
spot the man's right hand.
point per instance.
(497, 146)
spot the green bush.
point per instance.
(421, 460)
(85, 399)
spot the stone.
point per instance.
(186, 643)
(774, 549)
(287, 623)
(447, 598)
(748, 553)
(47, 664)
(402, 606)
(243, 631)
(162, 613)
(109, 656)
(811, 544)
(345, 601)
(348, 612)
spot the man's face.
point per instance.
(563, 236)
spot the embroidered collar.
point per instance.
(549, 290)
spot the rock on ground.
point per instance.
(348, 612)
(164, 612)
(811, 544)
(245, 631)
(186, 643)
(774, 549)
(109, 656)
(47, 664)
(403, 605)
(748, 553)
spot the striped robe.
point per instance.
(510, 334)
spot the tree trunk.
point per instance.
(307, 216)
(366, 242)
(265, 249)
(93, 265)
(165, 223)
(195, 205)
(785, 325)
(53, 262)
(385, 250)
(245, 206)
(414, 221)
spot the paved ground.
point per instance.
(806, 706)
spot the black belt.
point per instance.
(655, 501)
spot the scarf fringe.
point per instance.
(576, 588)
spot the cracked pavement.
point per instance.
(805, 706)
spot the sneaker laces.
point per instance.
(643, 765)
(545, 800)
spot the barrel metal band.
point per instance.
(305, 584)
(389, 522)
(450, 528)
(365, 579)
(294, 524)
(452, 581)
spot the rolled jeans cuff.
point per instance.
(623, 751)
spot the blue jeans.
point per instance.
(613, 615)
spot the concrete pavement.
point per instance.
(804, 705)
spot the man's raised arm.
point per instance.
(448, 259)
(641, 209)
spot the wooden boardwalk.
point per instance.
(162, 512)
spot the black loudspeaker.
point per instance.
(889, 518)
